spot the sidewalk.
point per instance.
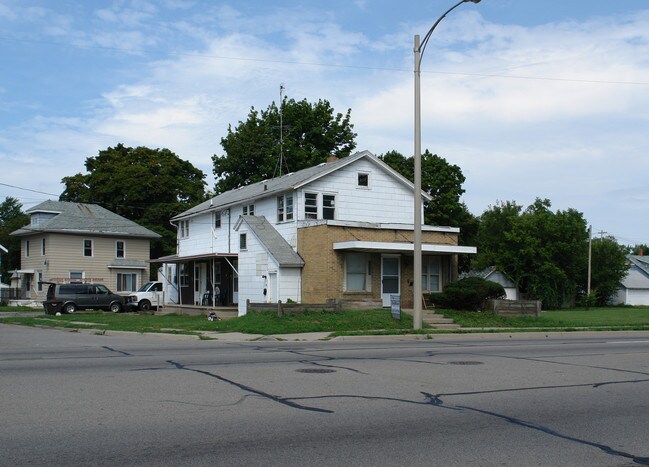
(434, 334)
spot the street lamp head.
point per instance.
(473, 1)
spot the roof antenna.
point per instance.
(282, 161)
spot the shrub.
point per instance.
(468, 294)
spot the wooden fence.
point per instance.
(293, 308)
(515, 307)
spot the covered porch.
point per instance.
(209, 281)
(390, 268)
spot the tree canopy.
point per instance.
(310, 133)
(443, 182)
(608, 267)
(147, 186)
(11, 218)
(544, 252)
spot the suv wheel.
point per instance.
(70, 308)
(115, 307)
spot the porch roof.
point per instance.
(402, 247)
(182, 259)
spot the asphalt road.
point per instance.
(82, 399)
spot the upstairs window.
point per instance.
(329, 207)
(43, 247)
(363, 180)
(217, 220)
(285, 207)
(119, 249)
(310, 205)
(87, 248)
(184, 229)
(26, 247)
(249, 210)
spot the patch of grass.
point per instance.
(363, 322)
(252, 323)
(19, 308)
(316, 321)
(611, 317)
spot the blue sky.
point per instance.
(545, 98)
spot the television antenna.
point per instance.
(282, 161)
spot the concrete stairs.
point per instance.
(432, 320)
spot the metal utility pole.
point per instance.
(418, 51)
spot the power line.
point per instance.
(29, 189)
(329, 65)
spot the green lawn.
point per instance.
(343, 323)
(253, 323)
(612, 317)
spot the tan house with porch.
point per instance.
(75, 242)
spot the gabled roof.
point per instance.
(637, 276)
(641, 262)
(80, 218)
(289, 181)
(491, 274)
(276, 245)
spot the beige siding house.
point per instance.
(74, 242)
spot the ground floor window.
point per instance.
(431, 273)
(126, 282)
(357, 272)
(76, 276)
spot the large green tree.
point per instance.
(309, 134)
(147, 186)
(11, 218)
(609, 265)
(544, 252)
(443, 182)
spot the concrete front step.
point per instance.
(443, 326)
(437, 321)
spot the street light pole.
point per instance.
(419, 50)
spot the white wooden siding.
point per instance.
(384, 201)
(251, 282)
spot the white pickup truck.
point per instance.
(150, 295)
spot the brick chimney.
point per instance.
(332, 158)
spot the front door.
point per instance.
(271, 297)
(200, 282)
(390, 277)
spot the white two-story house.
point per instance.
(342, 230)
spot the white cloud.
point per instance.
(550, 121)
